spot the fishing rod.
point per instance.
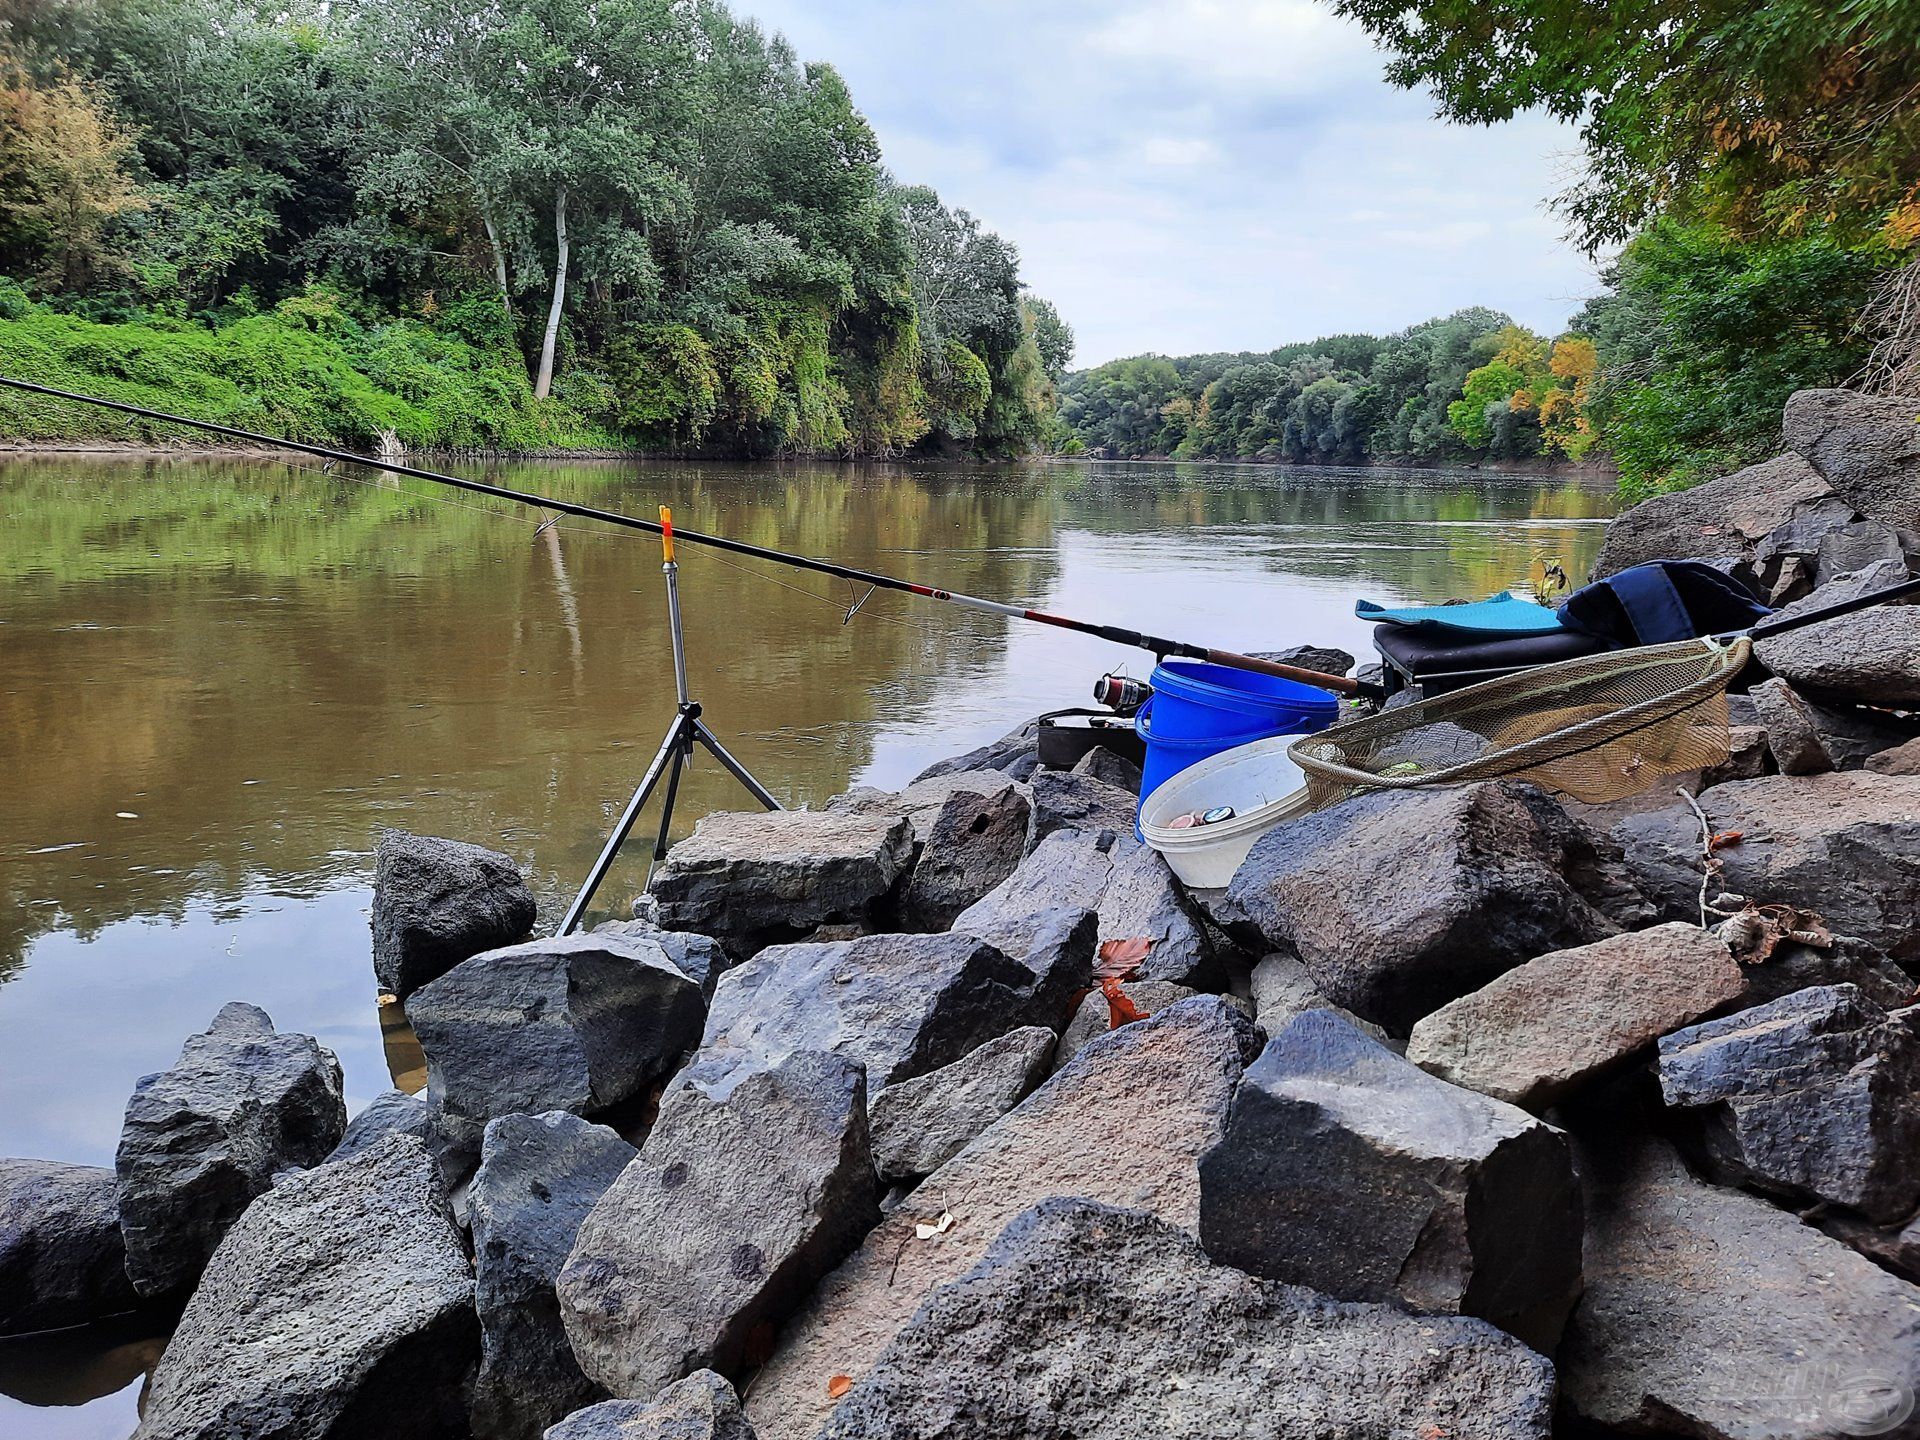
(1119, 635)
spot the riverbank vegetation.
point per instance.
(531, 226)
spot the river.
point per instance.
(220, 677)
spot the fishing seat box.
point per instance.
(1434, 662)
(1067, 735)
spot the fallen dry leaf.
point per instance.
(1121, 959)
(1725, 838)
(1120, 1007)
(838, 1385)
(925, 1231)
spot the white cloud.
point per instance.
(1197, 175)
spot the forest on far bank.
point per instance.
(528, 225)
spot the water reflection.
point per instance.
(219, 677)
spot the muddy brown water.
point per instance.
(219, 677)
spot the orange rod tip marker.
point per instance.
(666, 532)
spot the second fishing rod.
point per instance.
(1160, 646)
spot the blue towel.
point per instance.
(1502, 614)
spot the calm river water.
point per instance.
(219, 677)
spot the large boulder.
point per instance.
(575, 1023)
(1836, 960)
(1125, 1123)
(1722, 520)
(1867, 447)
(900, 1005)
(972, 843)
(1282, 988)
(340, 1305)
(62, 1259)
(539, 1175)
(392, 1112)
(733, 1209)
(1070, 868)
(1016, 753)
(1398, 902)
(1844, 846)
(1810, 1096)
(436, 902)
(1069, 800)
(922, 801)
(202, 1140)
(1349, 1170)
(1871, 657)
(1099, 1323)
(698, 957)
(1143, 900)
(1554, 1025)
(920, 1124)
(753, 880)
(1712, 1313)
(700, 1407)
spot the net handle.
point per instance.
(1735, 657)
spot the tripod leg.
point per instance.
(680, 763)
(740, 772)
(670, 749)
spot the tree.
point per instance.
(1769, 120)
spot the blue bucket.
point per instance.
(1196, 701)
(1168, 755)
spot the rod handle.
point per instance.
(1339, 684)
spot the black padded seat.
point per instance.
(1437, 661)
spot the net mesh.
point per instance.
(1599, 728)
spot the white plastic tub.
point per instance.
(1261, 784)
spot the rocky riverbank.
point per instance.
(951, 1113)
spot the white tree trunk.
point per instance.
(543, 381)
(499, 262)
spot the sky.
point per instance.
(1201, 175)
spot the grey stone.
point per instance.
(1143, 900)
(920, 1124)
(436, 902)
(1399, 902)
(62, 1261)
(734, 1208)
(1549, 1028)
(1870, 657)
(899, 1005)
(575, 1023)
(1900, 760)
(700, 1407)
(1854, 547)
(394, 1112)
(1282, 988)
(698, 957)
(203, 1139)
(1099, 1323)
(1845, 846)
(753, 880)
(1067, 800)
(921, 802)
(1894, 1247)
(1017, 753)
(1349, 1170)
(1069, 868)
(1164, 1085)
(1712, 1313)
(539, 1175)
(1327, 659)
(1748, 758)
(1809, 738)
(340, 1304)
(1722, 520)
(1109, 768)
(973, 843)
(1786, 561)
(1867, 447)
(1810, 1096)
(1842, 961)
(1093, 1016)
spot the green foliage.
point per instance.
(1771, 120)
(1703, 338)
(652, 202)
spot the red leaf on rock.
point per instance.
(1120, 1007)
(838, 1385)
(1121, 959)
(1725, 838)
